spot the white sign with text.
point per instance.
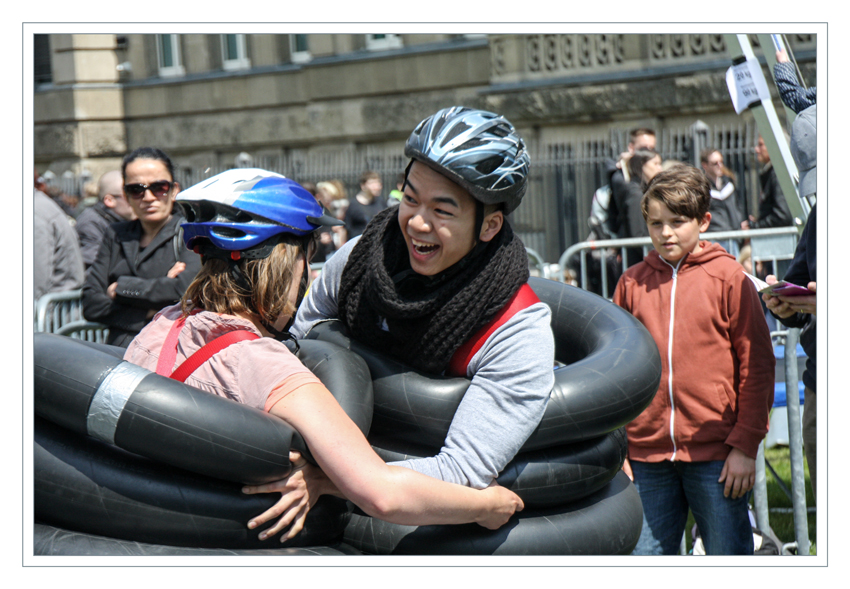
(746, 84)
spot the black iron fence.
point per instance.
(564, 174)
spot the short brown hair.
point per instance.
(369, 175)
(266, 293)
(635, 133)
(705, 153)
(683, 189)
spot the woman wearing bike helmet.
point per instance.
(428, 276)
(255, 232)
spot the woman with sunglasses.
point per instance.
(142, 265)
(256, 231)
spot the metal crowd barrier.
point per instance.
(62, 313)
(768, 245)
(56, 309)
(795, 445)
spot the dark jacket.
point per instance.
(773, 208)
(358, 215)
(91, 227)
(624, 214)
(58, 265)
(141, 277)
(724, 208)
(625, 202)
(802, 271)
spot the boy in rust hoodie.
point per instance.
(695, 445)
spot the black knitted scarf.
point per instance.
(428, 317)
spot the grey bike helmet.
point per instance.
(478, 150)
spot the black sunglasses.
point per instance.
(158, 189)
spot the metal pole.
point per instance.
(771, 131)
(770, 44)
(760, 493)
(795, 444)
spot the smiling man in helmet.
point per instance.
(426, 282)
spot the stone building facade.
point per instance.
(318, 106)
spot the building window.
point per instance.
(387, 41)
(41, 60)
(168, 54)
(234, 52)
(299, 49)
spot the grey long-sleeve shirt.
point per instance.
(511, 379)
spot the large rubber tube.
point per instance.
(611, 375)
(52, 541)
(89, 486)
(607, 522)
(92, 392)
(542, 478)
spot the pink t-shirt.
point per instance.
(257, 372)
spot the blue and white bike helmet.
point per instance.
(479, 150)
(238, 213)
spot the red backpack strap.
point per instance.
(523, 298)
(168, 353)
(209, 350)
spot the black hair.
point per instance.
(147, 153)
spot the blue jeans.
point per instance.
(667, 489)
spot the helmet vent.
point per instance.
(488, 165)
(454, 132)
(189, 213)
(228, 232)
(205, 212)
(473, 143)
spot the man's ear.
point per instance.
(108, 200)
(491, 226)
(176, 187)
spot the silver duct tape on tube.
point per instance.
(111, 397)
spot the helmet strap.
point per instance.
(238, 275)
(282, 335)
(479, 220)
(407, 172)
(302, 289)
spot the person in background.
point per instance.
(695, 446)
(725, 210)
(331, 193)
(643, 165)
(63, 200)
(619, 177)
(111, 207)
(365, 205)
(57, 260)
(792, 93)
(142, 265)
(397, 193)
(773, 208)
(90, 198)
